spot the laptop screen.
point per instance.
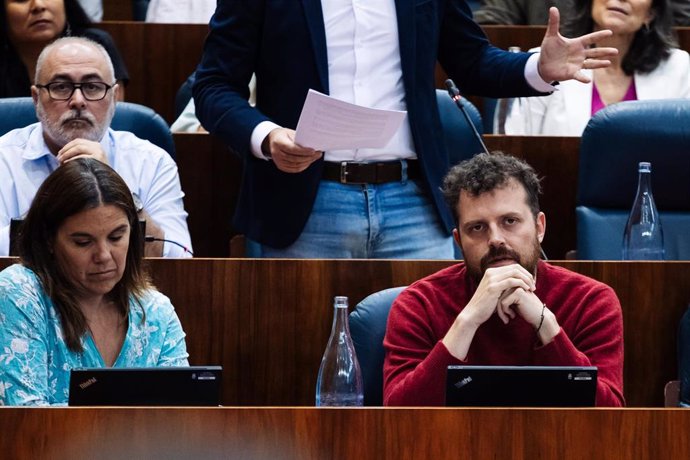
(155, 386)
(521, 386)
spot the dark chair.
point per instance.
(184, 94)
(368, 327)
(139, 9)
(616, 139)
(18, 112)
(461, 142)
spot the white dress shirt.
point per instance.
(181, 11)
(148, 170)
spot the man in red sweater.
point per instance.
(502, 305)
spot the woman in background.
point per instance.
(27, 26)
(648, 66)
(79, 296)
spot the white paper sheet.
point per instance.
(330, 124)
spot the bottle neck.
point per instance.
(644, 184)
(340, 319)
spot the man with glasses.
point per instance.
(74, 95)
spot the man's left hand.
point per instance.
(563, 58)
(530, 308)
(80, 148)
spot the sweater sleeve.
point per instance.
(414, 370)
(596, 340)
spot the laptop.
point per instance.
(521, 386)
(146, 386)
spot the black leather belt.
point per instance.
(350, 172)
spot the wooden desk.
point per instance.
(267, 321)
(311, 433)
(211, 175)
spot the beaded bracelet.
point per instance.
(541, 321)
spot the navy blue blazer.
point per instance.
(284, 43)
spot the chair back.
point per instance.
(461, 142)
(367, 328)
(143, 122)
(615, 140)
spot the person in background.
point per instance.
(502, 305)
(27, 26)
(518, 12)
(180, 11)
(356, 203)
(187, 122)
(74, 95)
(648, 66)
(80, 297)
(93, 9)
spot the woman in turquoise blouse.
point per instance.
(79, 296)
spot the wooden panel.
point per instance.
(299, 433)
(267, 321)
(159, 57)
(117, 10)
(211, 176)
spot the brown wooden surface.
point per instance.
(211, 175)
(159, 58)
(311, 433)
(267, 321)
(117, 10)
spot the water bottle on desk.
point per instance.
(643, 238)
(340, 379)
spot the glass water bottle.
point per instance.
(340, 379)
(643, 238)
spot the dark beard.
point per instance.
(529, 262)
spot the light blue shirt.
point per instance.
(35, 362)
(148, 170)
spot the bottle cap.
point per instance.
(340, 300)
(645, 166)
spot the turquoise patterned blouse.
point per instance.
(35, 362)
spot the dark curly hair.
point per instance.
(649, 47)
(486, 172)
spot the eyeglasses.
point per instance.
(63, 90)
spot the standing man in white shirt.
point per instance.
(365, 203)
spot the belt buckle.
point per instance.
(344, 173)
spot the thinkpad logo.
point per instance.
(463, 382)
(87, 383)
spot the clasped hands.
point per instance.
(507, 291)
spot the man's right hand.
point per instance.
(288, 156)
(484, 303)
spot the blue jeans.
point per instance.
(386, 221)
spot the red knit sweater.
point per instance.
(588, 312)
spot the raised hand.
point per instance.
(564, 58)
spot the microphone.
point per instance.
(454, 93)
(151, 239)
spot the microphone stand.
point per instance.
(454, 94)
